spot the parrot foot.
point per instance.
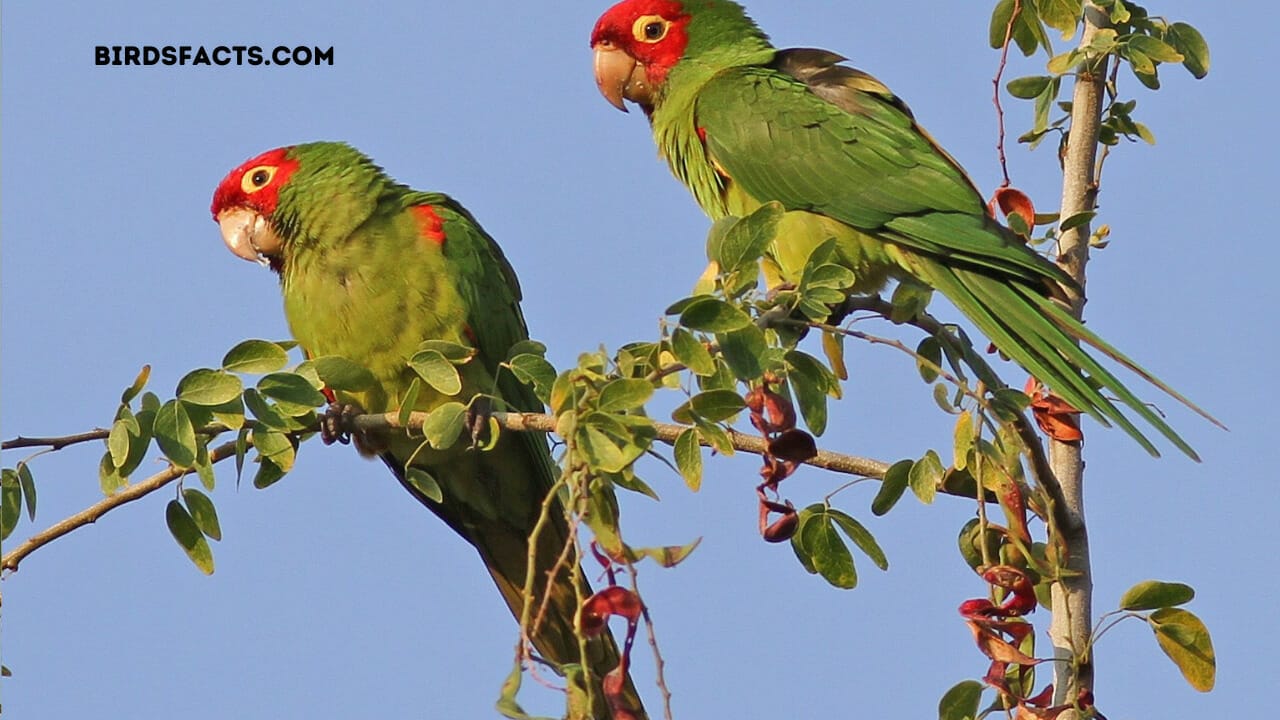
(336, 420)
(477, 421)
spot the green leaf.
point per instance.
(204, 468)
(1191, 44)
(1155, 48)
(205, 387)
(1028, 87)
(1061, 15)
(742, 349)
(409, 401)
(256, 357)
(230, 414)
(861, 537)
(443, 426)
(1062, 64)
(265, 412)
(118, 440)
(339, 373)
(202, 512)
(892, 487)
(424, 483)
(275, 446)
(10, 502)
(1152, 594)
(437, 371)
(624, 394)
(268, 474)
(109, 478)
(961, 701)
(139, 382)
(189, 537)
(28, 485)
(830, 556)
(692, 353)
(689, 458)
(712, 406)
(531, 347)
(536, 371)
(929, 358)
(1000, 23)
(1184, 638)
(925, 475)
(1077, 220)
(746, 240)
(175, 435)
(293, 393)
(455, 353)
(716, 437)
(713, 315)
(601, 451)
(811, 382)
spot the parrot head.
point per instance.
(280, 197)
(638, 42)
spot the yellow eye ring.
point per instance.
(256, 178)
(650, 28)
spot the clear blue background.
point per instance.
(337, 596)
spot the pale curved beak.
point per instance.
(620, 77)
(248, 235)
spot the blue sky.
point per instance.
(338, 596)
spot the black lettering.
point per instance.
(150, 55)
(202, 57)
(131, 55)
(280, 55)
(324, 56)
(169, 55)
(184, 54)
(255, 55)
(222, 55)
(101, 55)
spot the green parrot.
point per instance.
(369, 269)
(742, 123)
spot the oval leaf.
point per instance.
(624, 394)
(689, 458)
(434, 368)
(961, 701)
(339, 373)
(189, 537)
(714, 315)
(1153, 594)
(294, 394)
(423, 482)
(692, 353)
(892, 487)
(175, 435)
(255, 356)
(202, 512)
(206, 388)
(1185, 639)
(443, 426)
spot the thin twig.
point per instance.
(1004, 60)
(94, 512)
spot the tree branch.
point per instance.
(1072, 595)
(92, 513)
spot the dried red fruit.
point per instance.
(783, 528)
(329, 395)
(1013, 201)
(1022, 593)
(1056, 418)
(794, 445)
(610, 601)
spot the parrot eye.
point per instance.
(650, 28)
(257, 178)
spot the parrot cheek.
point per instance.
(248, 235)
(620, 77)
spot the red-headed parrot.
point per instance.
(370, 269)
(742, 123)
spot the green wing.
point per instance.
(833, 141)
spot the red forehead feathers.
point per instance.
(617, 26)
(231, 191)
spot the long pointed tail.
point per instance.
(1044, 338)
(491, 500)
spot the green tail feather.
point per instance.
(1042, 337)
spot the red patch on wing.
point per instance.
(702, 135)
(618, 22)
(471, 335)
(429, 223)
(231, 192)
